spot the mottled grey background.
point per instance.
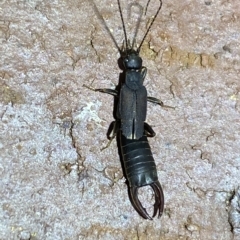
(55, 181)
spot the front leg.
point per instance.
(112, 92)
(143, 73)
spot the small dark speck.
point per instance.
(168, 145)
(124, 217)
(208, 3)
(226, 48)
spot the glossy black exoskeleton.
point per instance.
(130, 126)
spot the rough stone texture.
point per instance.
(55, 181)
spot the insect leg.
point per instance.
(159, 102)
(111, 133)
(155, 100)
(114, 126)
(143, 73)
(149, 131)
(112, 92)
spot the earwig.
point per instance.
(139, 166)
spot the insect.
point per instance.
(130, 126)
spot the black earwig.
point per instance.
(130, 126)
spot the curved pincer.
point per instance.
(159, 199)
(158, 205)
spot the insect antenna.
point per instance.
(127, 47)
(127, 44)
(160, 6)
(104, 24)
(124, 28)
(138, 20)
(147, 7)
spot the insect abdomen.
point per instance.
(139, 164)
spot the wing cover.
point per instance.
(132, 111)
